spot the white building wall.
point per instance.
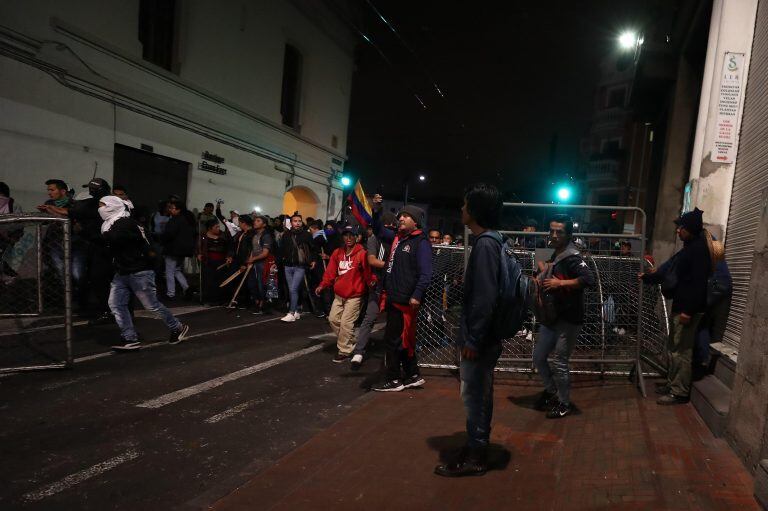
(731, 30)
(225, 100)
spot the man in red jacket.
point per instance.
(350, 275)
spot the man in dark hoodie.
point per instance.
(407, 275)
(296, 250)
(129, 248)
(688, 270)
(178, 242)
(563, 280)
(480, 345)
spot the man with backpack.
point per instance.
(484, 311)
(562, 282)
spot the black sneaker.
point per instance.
(388, 386)
(671, 399)
(559, 410)
(462, 468)
(545, 400)
(179, 335)
(663, 390)
(356, 362)
(257, 311)
(413, 381)
(125, 345)
(340, 357)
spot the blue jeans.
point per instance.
(173, 266)
(255, 282)
(142, 284)
(559, 340)
(477, 394)
(294, 277)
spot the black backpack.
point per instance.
(515, 291)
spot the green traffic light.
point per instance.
(345, 181)
(564, 193)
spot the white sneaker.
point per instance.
(288, 318)
(357, 359)
(296, 316)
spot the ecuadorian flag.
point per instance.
(361, 208)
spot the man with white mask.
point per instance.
(129, 248)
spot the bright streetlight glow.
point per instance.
(422, 177)
(563, 193)
(257, 209)
(345, 181)
(628, 40)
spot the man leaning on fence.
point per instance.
(684, 279)
(129, 249)
(479, 342)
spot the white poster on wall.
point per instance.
(724, 147)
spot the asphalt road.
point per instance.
(170, 427)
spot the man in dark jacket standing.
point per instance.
(691, 268)
(296, 250)
(480, 345)
(129, 248)
(178, 242)
(563, 279)
(407, 275)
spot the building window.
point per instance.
(616, 97)
(157, 31)
(291, 98)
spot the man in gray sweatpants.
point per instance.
(378, 252)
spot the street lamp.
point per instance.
(627, 40)
(345, 181)
(422, 177)
(406, 183)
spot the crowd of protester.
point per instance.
(350, 274)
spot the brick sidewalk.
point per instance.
(622, 452)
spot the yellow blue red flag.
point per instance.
(361, 208)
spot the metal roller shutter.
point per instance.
(751, 177)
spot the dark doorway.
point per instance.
(148, 177)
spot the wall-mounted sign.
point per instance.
(211, 163)
(726, 128)
(215, 158)
(210, 167)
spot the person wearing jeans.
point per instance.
(479, 340)
(296, 249)
(178, 242)
(562, 281)
(129, 249)
(557, 340)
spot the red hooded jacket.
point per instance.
(350, 275)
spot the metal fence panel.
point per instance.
(624, 319)
(35, 292)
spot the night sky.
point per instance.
(515, 75)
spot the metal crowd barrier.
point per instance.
(35, 292)
(625, 322)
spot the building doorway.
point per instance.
(150, 178)
(301, 199)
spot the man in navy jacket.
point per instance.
(407, 275)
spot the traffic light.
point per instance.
(563, 193)
(346, 181)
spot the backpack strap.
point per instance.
(496, 235)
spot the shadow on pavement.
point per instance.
(450, 448)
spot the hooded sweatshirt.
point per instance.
(350, 274)
(568, 265)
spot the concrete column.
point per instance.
(731, 30)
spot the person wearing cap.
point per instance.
(98, 261)
(232, 223)
(377, 256)
(349, 274)
(685, 277)
(407, 275)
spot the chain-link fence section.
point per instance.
(35, 293)
(624, 320)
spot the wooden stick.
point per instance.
(231, 277)
(237, 291)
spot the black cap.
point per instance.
(692, 221)
(96, 182)
(350, 229)
(414, 212)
